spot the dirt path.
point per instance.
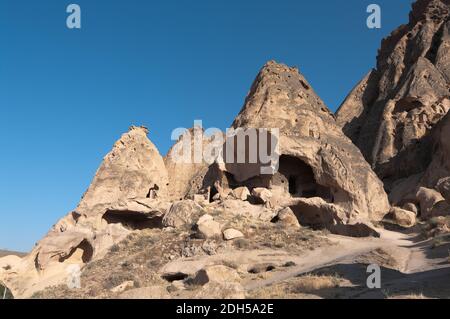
(416, 267)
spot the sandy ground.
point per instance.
(409, 267)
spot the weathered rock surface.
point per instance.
(230, 234)
(182, 213)
(444, 188)
(317, 159)
(287, 218)
(127, 193)
(262, 195)
(186, 168)
(241, 193)
(429, 200)
(208, 228)
(217, 274)
(438, 172)
(396, 116)
(133, 169)
(403, 218)
(391, 113)
(411, 207)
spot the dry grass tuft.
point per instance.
(311, 283)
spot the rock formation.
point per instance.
(125, 195)
(195, 210)
(185, 168)
(316, 158)
(391, 113)
(397, 114)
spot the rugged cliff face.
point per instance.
(125, 195)
(391, 113)
(317, 159)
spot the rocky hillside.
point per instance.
(340, 195)
(392, 113)
(397, 114)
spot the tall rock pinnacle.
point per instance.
(392, 111)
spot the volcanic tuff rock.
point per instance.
(391, 113)
(396, 113)
(317, 159)
(437, 174)
(186, 173)
(127, 193)
(133, 190)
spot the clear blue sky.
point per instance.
(67, 95)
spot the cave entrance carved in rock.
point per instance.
(298, 179)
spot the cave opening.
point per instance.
(153, 192)
(83, 252)
(213, 192)
(133, 220)
(300, 179)
(292, 185)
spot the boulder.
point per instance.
(217, 274)
(261, 195)
(318, 214)
(411, 207)
(182, 213)
(230, 234)
(403, 218)
(287, 218)
(444, 188)
(241, 193)
(428, 199)
(208, 228)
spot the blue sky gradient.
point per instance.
(67, 95)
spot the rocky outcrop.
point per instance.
(391, 113)
(127, 193)
(182, 214)
(403, 218)
(186, 167)
(316, 159)
(439, 169)
(133, 169)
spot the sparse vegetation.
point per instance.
(312, 283)
(305, 287)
